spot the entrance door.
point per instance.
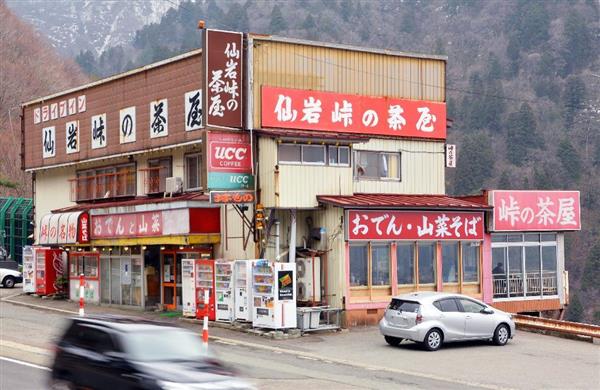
(169, 280)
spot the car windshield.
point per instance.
(164, 344)
(402, 305)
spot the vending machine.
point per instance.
(242, 297)
(223, 288)
(205, 280)
(29, 269)
(188, 288)
(49, 264)
(274, 294)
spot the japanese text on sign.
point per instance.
(327, 111)
(414, 225)
(232, 197)
(224, 78)
(127, 225)
(536, 210)
(159, 125)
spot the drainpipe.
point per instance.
(277, 240)
(292, 244)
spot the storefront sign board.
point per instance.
(223, 85)
(232, 197)
(285, 285)
(334, 112)
(375, 225)
(535, 210)
(450, 156)
(143, 224)
(229, 161)
(64, 228)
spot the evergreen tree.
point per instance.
(522, 135)
(543, 178)
(513, 52)
(591, 272)
(277, 23)
(575, 310)
(504, 181)
(579, 47)
(570, 160)
(309, 23)
(530, 23)
(475, 164)
(573, 99)
(236, 17)
(87, 61)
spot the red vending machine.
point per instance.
(205, 280)
(49, 264)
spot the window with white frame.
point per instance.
(314, 154)
(193, 171)
(370, 165)
(339, 155)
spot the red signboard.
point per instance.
(535, 210)
(413, 225)
(223, 86)
(64, 228)
(127, 225)
(229, 152)
(334, 112)
(232, 197)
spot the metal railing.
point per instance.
(546, 324)
(534, 284)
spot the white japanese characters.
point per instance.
(395, 119)
(98, 131)
(284, 110)
(546, 212)
(49, 142)
(72, 137)
(426, 120)
(127, 125)
(193, 110)
(343, 113)
(159, 126)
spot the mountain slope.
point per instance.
(29, 68)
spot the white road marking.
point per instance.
(24, 347)
(25, 363)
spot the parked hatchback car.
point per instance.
(111, 352)
(10, 277)
(433, 318)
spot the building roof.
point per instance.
(403, 201)
(187, 196)
(322, 135)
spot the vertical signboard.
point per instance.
(450, 156)
(223, 85)
(229, 161)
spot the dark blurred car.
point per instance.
(110, 352)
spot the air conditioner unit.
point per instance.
(174, 185)
(308, 271)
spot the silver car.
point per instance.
(433, 318)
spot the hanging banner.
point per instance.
(229, 161)
(413, 225)
(223, 85)
(535, 210)
(286, 108)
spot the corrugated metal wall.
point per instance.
(422, 167)
(294, 65)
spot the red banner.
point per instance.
(127, 225)
(535, 210)
(334, 112)
(414, 225)
(229, 152)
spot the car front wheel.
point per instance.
(433, 340)
(9, 282)
(393, 341)
(501, 335)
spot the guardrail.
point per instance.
(568, 327)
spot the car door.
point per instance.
(478, 325)
(452, 317)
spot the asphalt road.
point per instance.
(358, 359)
(19, 375)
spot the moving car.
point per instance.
(10, 277)
(433, 318)
(115, 352)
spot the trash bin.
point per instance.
(315, 316)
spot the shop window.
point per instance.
(104, 183)
(339, 155)
(380, 269)
(82, 264)
(405, 258)
(450, 262)
(290, 153)
(359, 265)
(156, 174)
(426, 259)
(193, 171)
(313, 154)
(369, 165)
(470, 262)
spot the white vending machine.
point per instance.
(188, 287)
(223, 290)
(242, 297)
(28, 269)
(274, 294)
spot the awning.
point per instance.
(401, 201)
(64, 228)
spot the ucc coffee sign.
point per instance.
(229, 161)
